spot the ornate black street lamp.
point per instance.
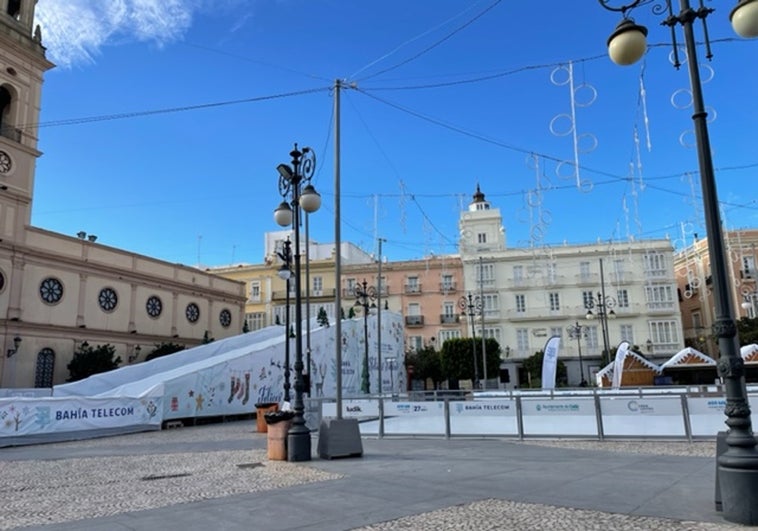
(288, 214)
(603, 305)
(365, 296)
(285, 272)
(737, 470)
(577, 331)
(471, 307)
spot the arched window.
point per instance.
(5, 107)
(43, 374)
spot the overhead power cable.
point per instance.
(135, 114)
(435, 44)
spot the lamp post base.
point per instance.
(737, 481)
(299, 443)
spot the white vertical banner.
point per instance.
(550, 362)
(618, 364)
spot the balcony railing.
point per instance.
(412, 289)
(587, 279)
(448, 287)
(450, 319)
(329, 292)
(656, 273)
(668, 306)
(414, 320)
(348, 292)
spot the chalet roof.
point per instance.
(608, 369)
(686, 356)
(749, 352)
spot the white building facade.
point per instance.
(531, 294)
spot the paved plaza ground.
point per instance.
(218, 477)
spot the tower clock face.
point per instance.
(5, 162)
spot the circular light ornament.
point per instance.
(628, 43)
(744, 18)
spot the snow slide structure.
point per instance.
(223, 378)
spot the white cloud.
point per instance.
(74, 31)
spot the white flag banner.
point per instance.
(550, 362)
(618, 364)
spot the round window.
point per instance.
(225, 318)
(153, 306)
(192, 312)
(51, 290)
(107, 299)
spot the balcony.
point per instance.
(627, 310)
(348, 292)
(656, 273)
(450, 319)
(538, 313)
(662, 307)
(329, 293)
(282, 295)
(414, 320)
(412, 289)
(587, 279)
(448, 287)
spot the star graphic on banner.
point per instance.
(191, 393)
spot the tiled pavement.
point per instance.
(218, 477)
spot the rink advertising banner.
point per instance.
(31, 416)
(618, 364)
(550, 362)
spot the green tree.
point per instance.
(207, 338)
(532, 367)
(245, 327)
(342, 314)
(458, 358)
(747, 329)
(322, 318)
(492, 347)
(164, 349)
(88, 361)
(351, 313)
(427, 364)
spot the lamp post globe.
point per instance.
(744, 18)
(283, 215)
(310, 199)
(628, 43)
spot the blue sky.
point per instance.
(448, 94)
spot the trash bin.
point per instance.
(260, 410)
(278, 423)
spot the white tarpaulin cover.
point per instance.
(225, 377)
